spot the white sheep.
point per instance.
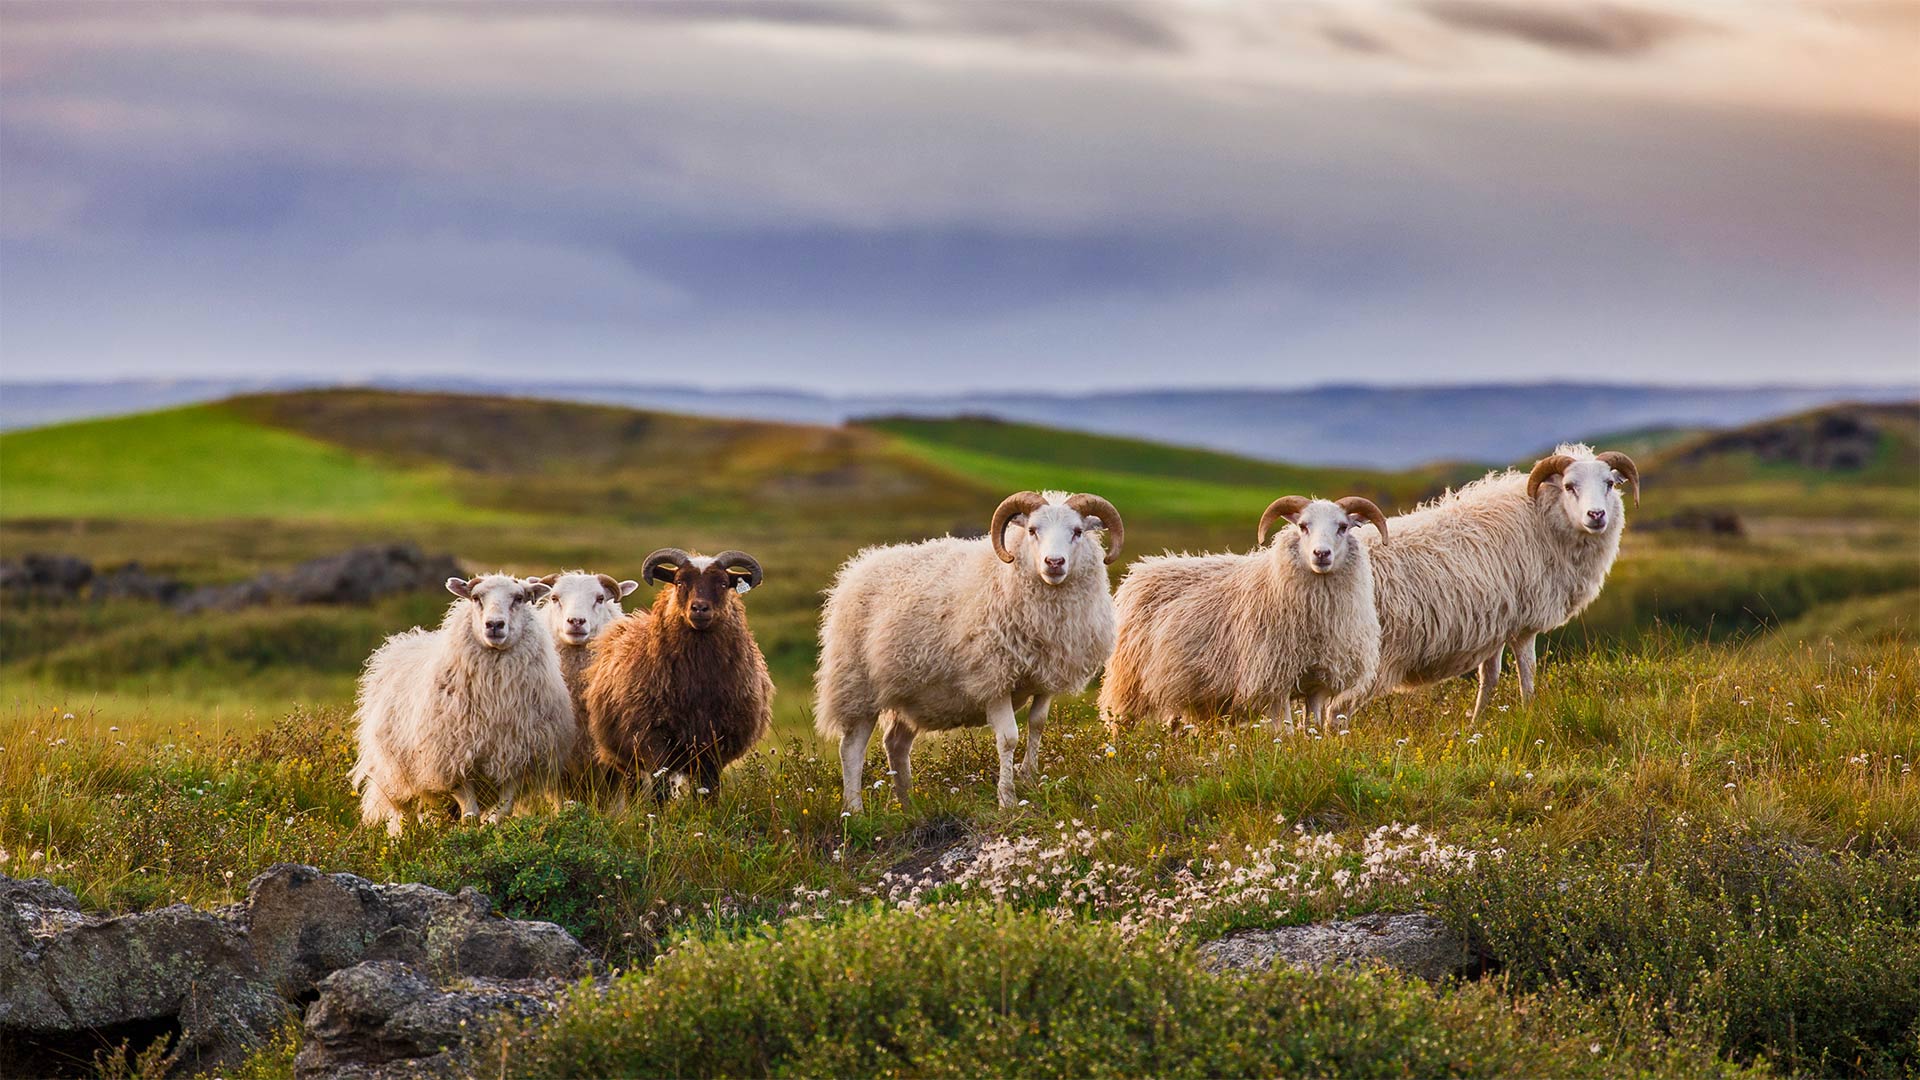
(1236, 635)
(958, 633)
(1493, 565)
(578, 608)
(478, 702)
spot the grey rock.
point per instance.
(43, 576)
(1420, 945)
(39, 892)
(382, 1019)
(174, 968)
(133, 582)
(355, 576)
(304, 925)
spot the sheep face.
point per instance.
(1055, 543)
(582, 604)
(1589, 495)
(705, 591)
(500, 606)
(1325, 536)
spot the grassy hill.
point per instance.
(1687, 856)
(218, 492)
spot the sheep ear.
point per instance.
(538, 590)
(460, 588)
(627, 587)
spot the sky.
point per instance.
(946, 195)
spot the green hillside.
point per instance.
(204, 461)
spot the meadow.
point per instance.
(1696, 852)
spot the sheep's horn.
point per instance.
(1354, 504)
(732, 559)
(1623, 465)
(1097, 507)
(1545, 467)
(607, 583)
(1020, 502)
(668, 556)
(1283, 507)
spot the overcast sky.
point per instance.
(935, 195)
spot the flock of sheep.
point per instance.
(544, 684)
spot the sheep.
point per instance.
(580, 606)
(1232, 635)
(952, 633)
(477, 701)
(1494, 565)
(685, 691)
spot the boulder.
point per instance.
(82, 980)
(1419, 945)
(303, 925)
(355, 576)
(383, 1019)
(132, 582)
(428, 964)
(47, 577)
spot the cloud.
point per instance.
(1586, 29)
(924, 193)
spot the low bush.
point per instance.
(1810, 961)
(979, 991)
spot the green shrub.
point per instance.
(1809, 961)
(980, 992)
(568, 868)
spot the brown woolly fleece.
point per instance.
(663, 695)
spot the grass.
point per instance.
(203, 461)
(1695, 850)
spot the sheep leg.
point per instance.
(1523, 660)
(1036, 723)
(1489, 675)
(503, 806)
(1317, 707)
(469, 802)
(1006, 738)
(899, 744)
(853, 760)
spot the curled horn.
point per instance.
(1623, 465)
(1097, 507)
(1284, 507)
(668, 556)
(1020, 502)
(731, 559)
(1545, 467)
(1354, 504)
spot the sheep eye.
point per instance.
(1076, 533)
(1345, 527)
(1033, 530)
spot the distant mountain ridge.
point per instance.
(1367, 426)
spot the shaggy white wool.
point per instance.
(1478, 569)
(941, 634)
(440, 713)
(1241, 635)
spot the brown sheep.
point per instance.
(683, 693)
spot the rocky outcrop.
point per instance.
(1419, 945)
(69, 980)
(217, 982)
(355, 576)
(383, 1019)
